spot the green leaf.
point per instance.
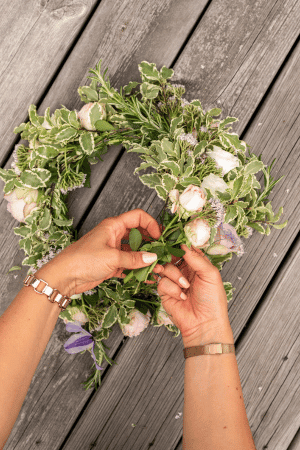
(168, 181)
(149, 90)
(257, 226)
(135, 239)
(168, 147)
(73, 119)
(103, 125)
(178, 252)
(63, 222)
(214, 112)
(14, 268)
(35, 178)
(33, 117)
(20, 128)
(150, 179)
(88, 94)
(9, 186)
(174, 123)
(161, 191)
(47, 151)
(253, 167)
(237, 184)
(86, 141)
(149, 71)
(66, 134)
(45, 221)
(166, 73)
(110, 317)
(129, 303)
(277, 216)
(200, 148)
(231, 214)
(280, 226)
(172, 166)
(131, 85)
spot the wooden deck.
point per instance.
(242, 56)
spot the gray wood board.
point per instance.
(146, 23)
(98, 424)
(30, 431)
(35, 36)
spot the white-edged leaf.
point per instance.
(161, 192)
(172, 166)
(253, 167)
(150, 179)
(168, 181)
(86, 141)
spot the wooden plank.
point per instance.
(35, 36)
(295, 444)
(42, 420)
(282, 100)
(31, 431)
(269, 363)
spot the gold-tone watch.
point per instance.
(53, 295)
(214, 348)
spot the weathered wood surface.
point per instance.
(35, 37)
(44, 420)
(257, 270)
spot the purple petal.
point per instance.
(74, 327)
(94, 358)
(77, 343)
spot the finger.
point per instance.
(136, 218)
(174, 274)
(199, 263)
(135, 260)
(168, 288)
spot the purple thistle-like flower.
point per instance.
(81, 341)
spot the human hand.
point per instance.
(202, 316)
(98, 256)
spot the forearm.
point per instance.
(214, 411)
(25, 329)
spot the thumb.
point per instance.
(199, 263)
(136, 260)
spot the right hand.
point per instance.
(203, 316)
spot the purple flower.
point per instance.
(81, 341)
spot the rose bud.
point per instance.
(163, 317)
(138, 323)
(198, 232)
(226, 240)
(84, 115)
(224, 160)
(21, 202)
(174, 197)
(192, 199)
(214, 183)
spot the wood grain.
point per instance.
(35, 37)
(39, 426)
(161, 414)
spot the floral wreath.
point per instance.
(201, 170)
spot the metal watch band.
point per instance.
(54, 296)
(214, 348)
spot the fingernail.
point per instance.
(149, 257)
(183, 296)
(184, 282)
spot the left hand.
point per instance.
(97, 256)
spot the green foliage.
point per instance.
(172, 137)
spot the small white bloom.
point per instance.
(224, 160)
(193, 198)
(197, 232)
(85, 117)
(138, 323)
(214, 183)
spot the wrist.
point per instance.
(55, 277)
(220, 332)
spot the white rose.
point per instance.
(193, 198)
(138, 323)
(21, 202)
(174, 197)
(214, 183)
(197, 232)
(224, 160)
(84, 115)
